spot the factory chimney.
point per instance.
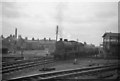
(56, 32)
(15, 32)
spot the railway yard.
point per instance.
(86, 68)
(59, 41)
(61, 60)
(63, 64)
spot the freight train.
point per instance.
(72, 49)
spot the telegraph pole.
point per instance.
(56, 40)
(77, 48)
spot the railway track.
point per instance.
(4, 64)
(25, 64)
(69, 73)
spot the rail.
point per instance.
(20, 66)
(23, 63)
(64, 73)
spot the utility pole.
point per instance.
(77, 47)
(56, 40)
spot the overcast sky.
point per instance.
(86, 21)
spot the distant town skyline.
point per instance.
(85, 21)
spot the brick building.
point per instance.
(17, 42)
(111, 43)
(14, 43)
(40, 45)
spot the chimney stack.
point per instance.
(56, 32)
(15, 32)
(60, 39)
(66, 40)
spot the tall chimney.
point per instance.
(56, 32)
(15, 32)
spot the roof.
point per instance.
(41, 41)
(111, 34)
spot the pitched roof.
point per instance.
(41, 41)
(111, 34)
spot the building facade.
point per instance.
(17, 42)
(111, 43)
(48, 45)
(14, 44)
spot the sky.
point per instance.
(85, 21)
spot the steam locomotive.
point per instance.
(72, 49)
(66, 49)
